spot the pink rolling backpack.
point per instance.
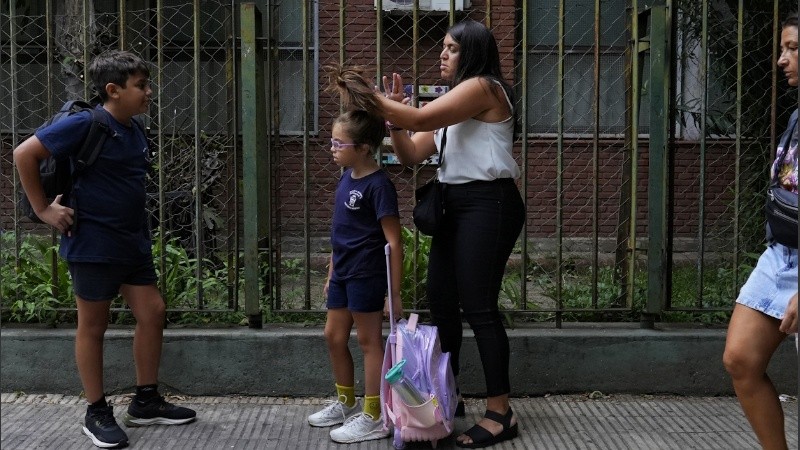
(428, 370)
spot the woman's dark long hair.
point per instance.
(790, 21)
(479, 55)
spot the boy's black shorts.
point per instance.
(101, 281)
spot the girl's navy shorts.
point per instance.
(357, 294)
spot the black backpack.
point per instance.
(58, 177)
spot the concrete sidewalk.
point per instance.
(546, 423)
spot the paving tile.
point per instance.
(546, 423)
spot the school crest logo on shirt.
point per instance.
(352, 202)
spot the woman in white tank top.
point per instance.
(484, 210)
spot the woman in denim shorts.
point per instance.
(766, 310)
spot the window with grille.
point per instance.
(578, 72)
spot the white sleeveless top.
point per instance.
(478, 150)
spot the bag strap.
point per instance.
(441, 154)
(91, 147)
(93, 144)
(412, 322)
(444, 143)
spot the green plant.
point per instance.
(30, 293)
(416, 249)
(720, 286)
(181, 285)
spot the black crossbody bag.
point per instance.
(781, 206)
(429, 208)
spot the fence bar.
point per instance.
(342, 37)
(524, 153)
(415, 102)
(379, 60)
(198, 155)
(701, 201)
(306, 156)
(596, 155)
(560, 165)
(162, 180)
(86, 18)
(254, 167)
(658, 167)
(737, 183)
(123, 24)
(232, 160)
(50, 24)
(273, 132)
(626, 223)
(12, 37)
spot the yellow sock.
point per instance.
(372, 406)
(347, 395)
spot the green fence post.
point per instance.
(657, 186)
(254, 159)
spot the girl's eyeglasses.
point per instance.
(336, 145)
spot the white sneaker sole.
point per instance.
(337, 421)
(101, 444)
(367, 437)
(329, 423)
(137, 422)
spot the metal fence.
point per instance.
(644, 134)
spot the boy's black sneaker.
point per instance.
(103, 430)
(157, 412)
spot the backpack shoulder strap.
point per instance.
(412, 322)
(93, 144)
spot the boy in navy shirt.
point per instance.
(106, 241)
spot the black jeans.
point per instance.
(467, 260)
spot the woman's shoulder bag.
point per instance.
(781, 206)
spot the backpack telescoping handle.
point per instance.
(387, 249)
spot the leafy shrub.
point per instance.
(26, 284)
(30, 296)
(416, 249)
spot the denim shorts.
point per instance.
(357, 294)
(772, 283)
(101, 281)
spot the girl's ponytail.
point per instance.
(354, 90)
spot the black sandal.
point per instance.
(481, 437)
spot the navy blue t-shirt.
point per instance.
(357, 239)
(109, 197)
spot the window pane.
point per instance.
(578, 22)
(179, 21)
(290, 24)
(578, 94)
(542, 94)
(290, 92)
